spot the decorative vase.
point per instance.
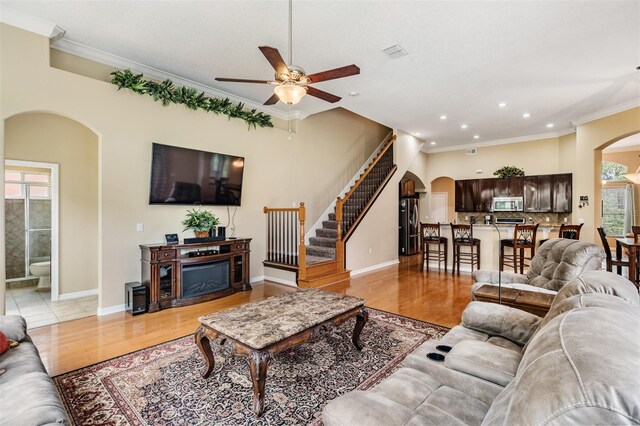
(202, 234)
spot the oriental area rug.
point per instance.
(162, 385)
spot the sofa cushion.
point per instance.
(484, 360)
(33, 400)
(407, 397)
(19, 361)
(14, 327)
(600, 282)
(581, 368)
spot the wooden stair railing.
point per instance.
(285, 239)
(351, 208)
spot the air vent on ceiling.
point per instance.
(472, 151)
(396, 51)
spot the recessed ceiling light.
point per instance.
(443, 117)
(432, 143)
(417, 133)
(353, 93)
(476, 136)
(526, 115)
(464, 126)
(549, 125)
(502, 104)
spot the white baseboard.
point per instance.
(281, 281)
(111, 310)
(256, 279)
(374, 267)
(78, 294)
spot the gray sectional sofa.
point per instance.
(28, 396)
(579, 364)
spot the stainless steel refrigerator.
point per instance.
(409, 226)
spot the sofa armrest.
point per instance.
(14, 327)
(485, 276)
(499, 320)
(484, 360)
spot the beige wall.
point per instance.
(591, 138)
(375, 241)
(313, 167)
(54, 139)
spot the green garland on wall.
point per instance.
(167, 93)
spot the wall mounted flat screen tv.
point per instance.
(188, 176)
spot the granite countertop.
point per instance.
(507, 225)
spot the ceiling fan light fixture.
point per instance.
(290, 94)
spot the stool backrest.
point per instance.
(571, 232)
(636, 233)
(605, 243)
(524, 236)
(461, 232)
(430, 231)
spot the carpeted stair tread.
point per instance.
(327, 252)
(322, 241)
(332, 216)
(312, 260)
(327, 233)
(332, 224)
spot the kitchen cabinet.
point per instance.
(508, 187)
(561, 189)
(541, 194)
(537, 194)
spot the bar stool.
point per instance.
(463, 237)
(524, 237)
(571, 232)
(430, 234)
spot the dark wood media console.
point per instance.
(185, 274)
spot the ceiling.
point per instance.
(559, 61)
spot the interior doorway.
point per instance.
(31, 225)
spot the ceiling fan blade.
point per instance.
(322, 95)
(274, 58)
(272, 100)
(241, 80)
(334, 73)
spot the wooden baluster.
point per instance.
(339, 242)
(302, 264)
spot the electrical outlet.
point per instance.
(565, 220)
(546, 219)
(140, 227)
(370, 250)
(581, 220)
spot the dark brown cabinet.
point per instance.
(541, 194)
(537, 194)
(561, 188)
(184, 274)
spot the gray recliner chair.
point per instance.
(507, 366)
(556, 262)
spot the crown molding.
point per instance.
(30, 23)
(506, 141)
(102, 57)
(606, 112)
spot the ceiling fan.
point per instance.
(291, 82)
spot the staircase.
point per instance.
(322, 262)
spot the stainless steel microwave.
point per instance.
(508, 204)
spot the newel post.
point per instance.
(339, 242)
(302, 249)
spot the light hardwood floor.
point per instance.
(436, 297)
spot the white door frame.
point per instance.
(55, 219)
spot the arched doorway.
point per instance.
(442, 207)
(47, 138)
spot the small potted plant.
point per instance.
(201, 221)
(508, 171)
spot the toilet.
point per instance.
(42, 270)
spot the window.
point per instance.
(17, 184)
(613, 210)
(613, 172)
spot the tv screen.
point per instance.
(189, 176)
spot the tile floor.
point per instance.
(38, 309)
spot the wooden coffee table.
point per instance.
(531, 301)
(262, 329)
